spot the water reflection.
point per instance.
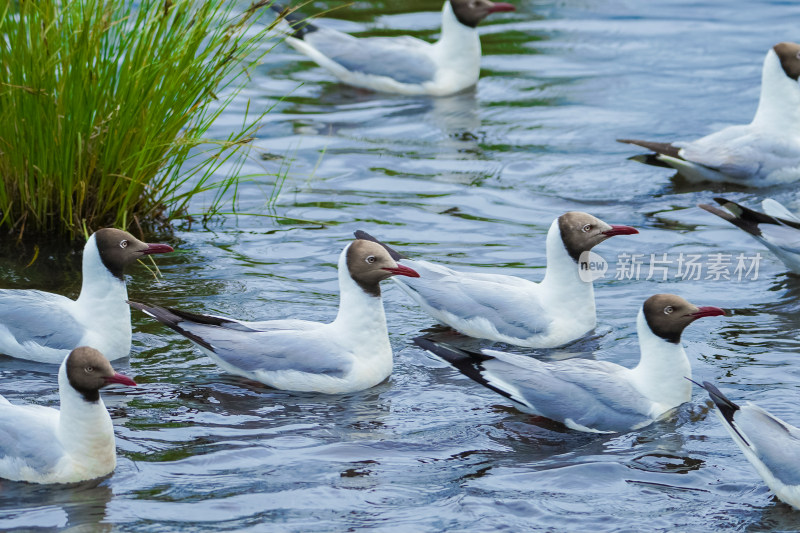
(75, 507)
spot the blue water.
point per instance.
(472, 180)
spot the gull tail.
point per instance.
(364, 236)
(746, 218)
(300, 24)
(667, 149)
(174, 318)
(726, 407)
(468, 363)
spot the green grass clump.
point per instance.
(105, 104)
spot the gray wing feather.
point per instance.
(40, 317)
(399, 58)
(590, 393)
(784, 237)
(27, 432)
(273, 349)
(775, 209)
(501, 300)
(774, 442)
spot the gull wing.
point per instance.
(39, 317)
(583, 394)
(509, 303)
(404, 59)
(268, 346)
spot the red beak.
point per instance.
(707, 311)
(401, 270)
(157, 249)
(122, 380)
(499, 7)
(620, 230)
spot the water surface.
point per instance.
(472, 180)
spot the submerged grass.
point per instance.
(105, 106)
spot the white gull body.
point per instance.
(45, 327)
(404, 65)
(762, 153)
(771, 445)
(558, 310)
(585, 394)
(351, 353)
(44, 445)
(777, 228)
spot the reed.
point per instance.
(105, 108)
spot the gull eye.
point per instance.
(123, 243)
(587, 228)
(370, 259)
(89, 369)
(668, 310)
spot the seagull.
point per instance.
(350, 354)
(553, 312)
(45, 327)
(44, 445)
(764, 152)
(404, 65)
(777, 228)
(771, 445)
(589, 395)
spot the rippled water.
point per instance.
(472, 181)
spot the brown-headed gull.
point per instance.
(74, 443)
(589, 395)
(776, 228)
(351, 353)
(764, 152)
(771, 445)
(45, 327)
(405, 64)
(553, 312)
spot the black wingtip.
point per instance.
(666, 149)
(467, 362)
(173, 317)
(453, 355)
(364, 236)
(301, 24)
(746, 218)
(725, 406)
(740, 216)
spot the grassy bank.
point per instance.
(105, 106)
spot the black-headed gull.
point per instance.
(553, 312)
(764, 152)
(589, 395)
(45, 327)
(74, 443)
(351, 353)
(771, 445)
(777, 228)
(404, 65)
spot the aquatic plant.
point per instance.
(105, 106)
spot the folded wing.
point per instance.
(268, 346)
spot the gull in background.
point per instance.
(764, 152)
(553, 312)
(404, 65)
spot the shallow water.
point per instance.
(472, 180)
